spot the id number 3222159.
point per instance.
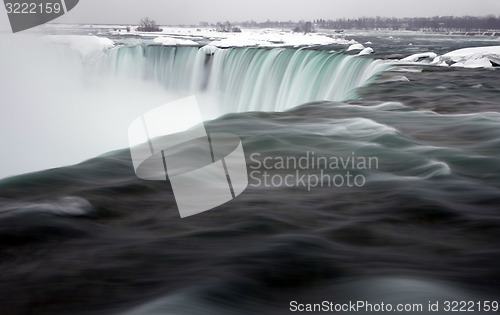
(33, 8)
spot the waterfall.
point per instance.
(247, 79)
(81, 96)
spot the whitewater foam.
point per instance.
(64, 206)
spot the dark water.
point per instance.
(94, 239)
(449, 91)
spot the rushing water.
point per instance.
(247, 79)
(94, 239)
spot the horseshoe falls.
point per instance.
(371, 178)
(80, 80)
(247, 79)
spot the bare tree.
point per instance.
(227, 27)
(224, 27)
(148, 25)
(308, 27)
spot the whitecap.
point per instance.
(65, 206)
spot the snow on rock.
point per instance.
(356, 46)
(86, 45)
(478, 63)
(171, 41)
(439, 61)
(420, 57)
(366, 51)
(494, 59)
(473, 57)
(275, 39)
(299, 39)
(473, 52)
(236, 42)
(474, 63)
(247, 38)
(209, 49)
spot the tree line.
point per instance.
(436, 23)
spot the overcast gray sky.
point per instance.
(194, 11)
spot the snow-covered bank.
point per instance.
(473, 57)
(246, 38)
(467, 53)
(171, 41)
(276, 39)
(86, 45)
